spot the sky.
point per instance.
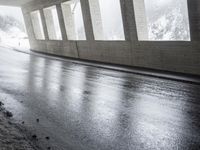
(12, 11)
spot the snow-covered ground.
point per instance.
(14, 38)
(12, 28)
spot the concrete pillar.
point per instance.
(194, 18)
(44, 25)
(29, 28)
(87, 20)
(37, 25)
(125, 20)
(69, 21)
(141, 20)
(50, 24)
(96, 19)
(61, 22)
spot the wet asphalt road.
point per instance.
(86, 108)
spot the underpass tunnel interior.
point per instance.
(99, 74)
(160, 35)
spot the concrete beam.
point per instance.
(14, 2)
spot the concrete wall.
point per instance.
(183, 57)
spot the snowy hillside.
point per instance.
(167, 19)
(12, 33)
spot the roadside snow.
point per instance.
(15, 39)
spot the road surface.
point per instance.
(81, 107)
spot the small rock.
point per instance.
(62, 88)
(38, 120)
(1, 103)
(22, 122)
(87, 92)
(48, 148)
(34, 136)
(9, 122)
(47, 138)
(8, 114)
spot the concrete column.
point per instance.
(29, 28)
(87, 20)
(125, 20)
(44, 25)
(69, 21)
(141, 21)
(50, 24)
(36, 24)
(96, 19)
(61, 22)
(194, 18)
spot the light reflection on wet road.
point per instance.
(87, 108)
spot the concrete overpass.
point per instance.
(103, 94)
(14, 3)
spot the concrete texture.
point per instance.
(69, 21)
(180, 56)
(14, 2)
(95, 12)
(52, 23)
(87, 108)
(141, 19)
(37, 25)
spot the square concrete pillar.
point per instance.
(61, 21)
(96, 19)
(73, 20)
(87, 20)
(37, 25)
(44, 25)
(141, 20)
(69, 21)
(50, 25)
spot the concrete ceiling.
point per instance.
(14, 2)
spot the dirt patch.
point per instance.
(11, 138)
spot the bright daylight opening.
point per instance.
(52, 22)
(12, 28)
(162, 20)
(73, 18)
(107, 19)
